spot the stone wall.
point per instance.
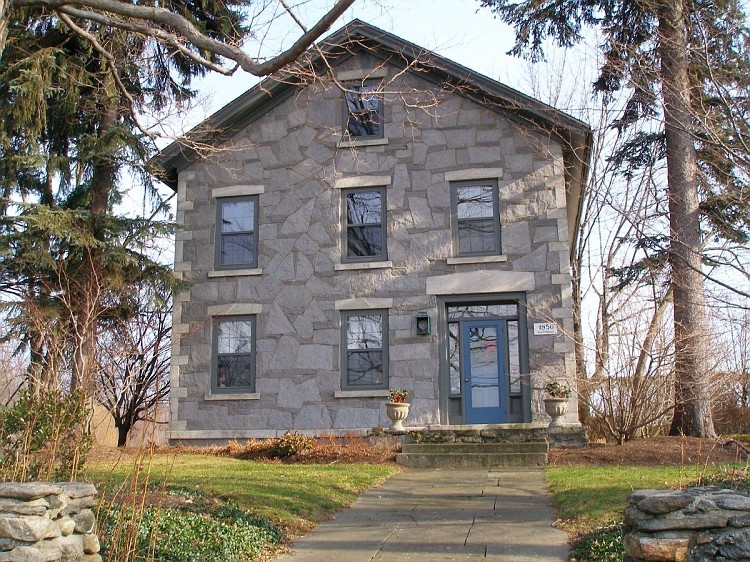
(689, 525)
(43, 522)
(292, 157)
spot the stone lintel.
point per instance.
(479, 282)
(235, 308)
(363, 303)
(474, 174)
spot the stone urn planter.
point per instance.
(556, 408)
(397, 412)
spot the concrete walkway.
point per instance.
(492, 514)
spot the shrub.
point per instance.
(603, 544)
(44, 436)
(291, 444)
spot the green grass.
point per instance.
(588, 497)
(591, 500)
(293, 495)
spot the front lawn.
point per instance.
(294, 496)
(590, 499)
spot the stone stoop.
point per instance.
(457, 455)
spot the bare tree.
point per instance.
(133, 365)
(173, 26)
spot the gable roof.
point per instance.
(574, 135)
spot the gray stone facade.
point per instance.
(294, 158)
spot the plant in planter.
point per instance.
(398, 395)
(556, 403)
(397, 408)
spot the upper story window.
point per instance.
(364, 226)
(234, 354)
(365, 343)
(364, 110)
(237, 232)
(476, 224)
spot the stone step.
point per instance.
(467, 460)
(473, 448)
(508, 433)
(437, 455)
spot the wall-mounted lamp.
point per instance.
(423, 324)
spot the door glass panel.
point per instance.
(482, 311)
(454, 358)
(485, 390)
(514, 358)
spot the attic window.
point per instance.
(364, 110)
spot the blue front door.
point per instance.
(484, 372)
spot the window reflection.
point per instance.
(514, 357)
(476, 226)
(364, 224)
(234, 362)
(365, 350)
(482, 311)
(364, 109)
(454, 358)
(485, 381)
(237, 233)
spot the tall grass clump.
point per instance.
(44, 436)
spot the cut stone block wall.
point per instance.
(690, 525)
(48, 522)
(293, 158)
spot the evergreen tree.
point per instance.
(686, 63)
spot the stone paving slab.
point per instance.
(484, 514)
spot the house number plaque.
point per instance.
(545, 328)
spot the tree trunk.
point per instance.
(5, 9)
(89, 300)
(692, 396)
(584, 391)
(122, 434)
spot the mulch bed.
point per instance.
(654, 451)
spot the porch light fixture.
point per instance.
(423, 324)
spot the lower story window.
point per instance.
(234, 353)
(365, 345)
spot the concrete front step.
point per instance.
(473, 448)
(473, 455)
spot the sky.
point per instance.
(452, 28)
(455, 29)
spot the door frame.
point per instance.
(452, 408)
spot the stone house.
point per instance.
(402, 222)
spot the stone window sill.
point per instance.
(361, 394)
(363, 265)
(231, 396)
(362, 142)
(235, 272)
(477, 259)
